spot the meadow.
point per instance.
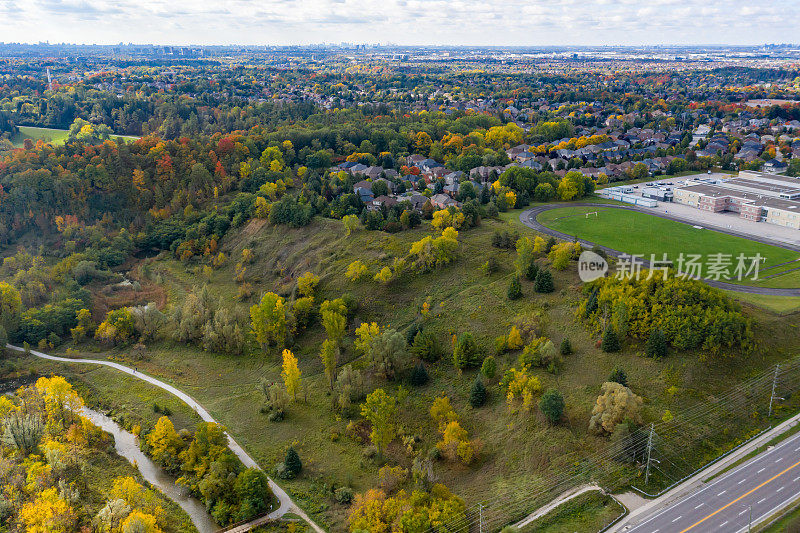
(518, 449)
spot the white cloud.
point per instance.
(476, 22)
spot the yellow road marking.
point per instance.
(740, 497)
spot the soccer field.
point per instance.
(633, 232)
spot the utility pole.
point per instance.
(649, 449)
(774, 384)
(480, 518)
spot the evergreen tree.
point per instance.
(656, 345)
(419, 376)
(544, 281)
(514, 289)
(532, 270)
(610, 341)
(477, 397)
(552, 406)
(292, 462)
(489, 367)
(618, 375)
(566, 347)
(591, 303)
(550, 243)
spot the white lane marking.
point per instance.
(779, 459)
(742, 481)
(795, 479)
(780, 489)
(740, 514)
(722, 524)
(761, 500)
(721, 493)
(760, 470)
(797, 449)
(699, 506)
(676, 519)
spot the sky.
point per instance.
(410, 22)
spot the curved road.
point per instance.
(286, 503)
(528, 218)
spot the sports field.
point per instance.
(634, 232)
(48, 135)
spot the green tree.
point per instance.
(610, 342)
(552, 406)
(426, 347)
(329, 354)
(489, 367)
(292, 462)
(269, 320)
(514, 289)
(477, 396)
(10, 307)
(615, 404)
(656, 345)
(544, 281)
(566, 347)
(380, 410)
(466, 352)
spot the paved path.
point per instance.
(568, 495)
(286, 503)
(737, 500)
(528, 218)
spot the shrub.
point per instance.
(343, 495)
(489, 367)
(552, 406)
(477, 396)
(618, 375)
(419, 376)
(566, 347)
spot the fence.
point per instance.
(656, 457)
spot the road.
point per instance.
(528, 218)
(749, 493)
(286, 503)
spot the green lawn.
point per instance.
(588, 512)
(48, 135)
(633, 232)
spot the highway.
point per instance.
(746, 494)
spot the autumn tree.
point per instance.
(380, 410)
(615, 404)
(269, 320)
(291, 374)
(329, 354)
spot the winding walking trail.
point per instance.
(286, 503)
(528, 218)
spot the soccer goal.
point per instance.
(592, 213)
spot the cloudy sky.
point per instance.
(471, 22)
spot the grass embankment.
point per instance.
(588, 512)
(517, 449)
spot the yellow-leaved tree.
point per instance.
(291, 374)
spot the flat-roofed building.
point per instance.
(755, 196)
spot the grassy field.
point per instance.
(48, 135)
(518, 450)
(639, 233)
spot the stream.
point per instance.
(126, 446)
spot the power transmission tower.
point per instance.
(774, 384)
(649, 449)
